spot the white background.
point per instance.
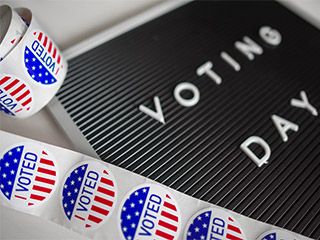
(69, 22)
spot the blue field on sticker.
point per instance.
(36, 69)
(131, 212)
(8, 170)
(71, 189)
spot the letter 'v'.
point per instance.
(158, 114)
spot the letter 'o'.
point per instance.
(184, 86)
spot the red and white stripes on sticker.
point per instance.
(44, 181)
(50, 47)
(169, 221)
(233, 231)
(103, 200)
(18, 90)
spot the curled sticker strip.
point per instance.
(31, 57)
(88, 198)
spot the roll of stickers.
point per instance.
(32, 68)
(102, 201)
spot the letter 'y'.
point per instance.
(304, 103)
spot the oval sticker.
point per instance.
(16, 98)
(89, 195)
(149, 212)
(28, 174)
(42, 59)
(213, 223)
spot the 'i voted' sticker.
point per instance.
(277, 235)
(149, 212)
(213, 223)
(16, 97)
(42, 58)
(89, 195)
(28, 175)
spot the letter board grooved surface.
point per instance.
(197, 151)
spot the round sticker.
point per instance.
(42, 58)
(89, 195)
(149, 212)
(277, 235)
(16, 97)
(28, 175)
(213, 223)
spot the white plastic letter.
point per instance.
(187, 87)
(304, 103)
(158, 114)
(248, 47)
(270, 36)
(265, 146)
(230, 60)
(283, 126)
(207, 69)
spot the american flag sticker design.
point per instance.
(16, 97)
(277, 235)
(150, 212)
(42, 59)
(213, 223)
(89, 195)
(28, 175)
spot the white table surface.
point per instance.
(69, 22)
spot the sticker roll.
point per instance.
(32, 71)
